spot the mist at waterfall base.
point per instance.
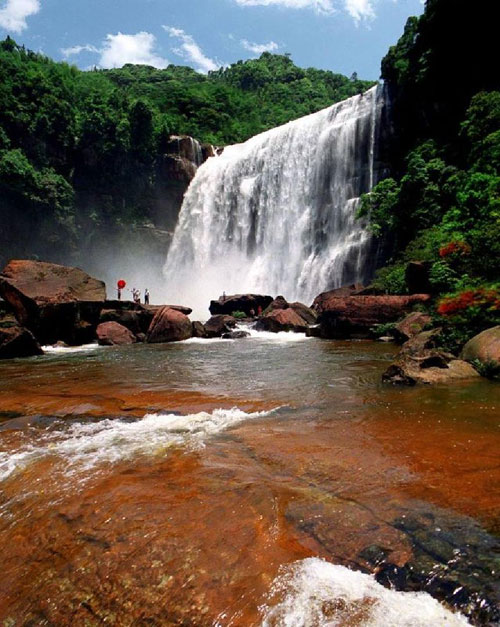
(277, 214)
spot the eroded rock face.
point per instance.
(282, 320)
(15, 340)
(169, 325)
(219, 324)
(114, 334)
(199, 329)
(306, 313)
(353, 316)
(485, 346)
(240, 302)
(54, 302)
(135, 317)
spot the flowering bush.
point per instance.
(455, 249)
(482, 298)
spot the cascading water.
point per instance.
(277, 214)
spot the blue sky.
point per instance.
(344, 36)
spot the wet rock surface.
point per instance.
(219, 324)
(169, 325)
(410, 326)
(281, 320)
(114, 334)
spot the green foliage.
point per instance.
(489, 369)
(84, 149)
(383, 330)
(238, 314)
(391, 279)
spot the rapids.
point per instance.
(263, 481)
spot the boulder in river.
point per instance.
(353, 316)
(114, 334)
(420, 360)
(484, 347)
(15, 340)
(282, 320)
(199, 329)
(235, 335)
(240, 302)
(54, 302)
(219, 324)
(169, 325)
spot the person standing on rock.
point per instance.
(146, 296)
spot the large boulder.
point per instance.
(240, 302)
(199, 329)
(169, 325)
(411, 325)
(54, 302)
(15, 340)
(135, 317)
(485, 346)
(410, 372)
(306, 313)
(421, 360)
(219, 324)
(353, 316)
(114, 334)
(282, 320)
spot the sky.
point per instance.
(343, 36)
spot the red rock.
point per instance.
(305, 312)
(169, 325)
(282, 320)
(353, 316)
(114, 334)
(199, 329)
(54, 302)
(16, 341)
(219, 324)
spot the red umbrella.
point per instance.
(121, 284)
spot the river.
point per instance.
(247, 482)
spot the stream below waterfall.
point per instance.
(250, 482)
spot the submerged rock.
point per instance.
(235, 335)
(114, 334)
(353, 316)
(169, 325)
(54, 302)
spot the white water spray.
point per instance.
(276, 214)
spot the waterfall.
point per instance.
(276, 214)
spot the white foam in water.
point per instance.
(84, 445)
(315, 592)
(70, 349)
(281, 337)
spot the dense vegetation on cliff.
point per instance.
(442, 204)
(80, 152)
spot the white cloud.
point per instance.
(68, 52)
(360, 9)
(137, 49)
(259, 48)
(119, 49)
(190, 51)
(13, 15)
(320, 6)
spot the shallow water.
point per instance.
(231, 483)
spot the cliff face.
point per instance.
(103, 247)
